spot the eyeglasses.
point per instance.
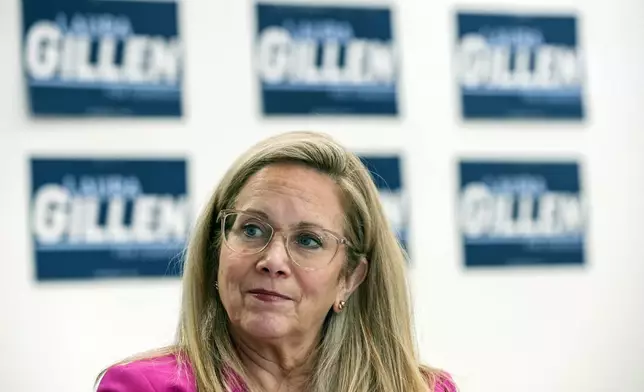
(310, 248)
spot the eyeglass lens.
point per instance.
(309, 247)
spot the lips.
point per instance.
(267, 294)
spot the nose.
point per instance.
(275, 260)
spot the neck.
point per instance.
(276, 365)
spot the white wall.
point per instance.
(522, 330)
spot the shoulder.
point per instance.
(443, 382)
(158, 374)
(438, 380)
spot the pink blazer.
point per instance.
(164, 375)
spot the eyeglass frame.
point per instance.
(229, 211)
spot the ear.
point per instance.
(352, 282)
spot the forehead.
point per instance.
(290, 194)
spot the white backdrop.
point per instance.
(528, 330)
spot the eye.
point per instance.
(251, 230)
(310, 241)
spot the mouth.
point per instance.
(268, 296)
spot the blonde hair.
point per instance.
(369, 347)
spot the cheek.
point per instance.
(319, 288)
(230, 264)
(232, 270)
(322, 285)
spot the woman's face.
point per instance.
(266, 295)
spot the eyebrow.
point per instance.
(301, 224)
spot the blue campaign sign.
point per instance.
(93, 218)
(326, 60)
(102, 57)
(519, 66)
(521, 213)
(387, 175)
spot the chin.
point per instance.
(266, 326)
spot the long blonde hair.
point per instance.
(369, 347)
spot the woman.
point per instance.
(293, 281)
